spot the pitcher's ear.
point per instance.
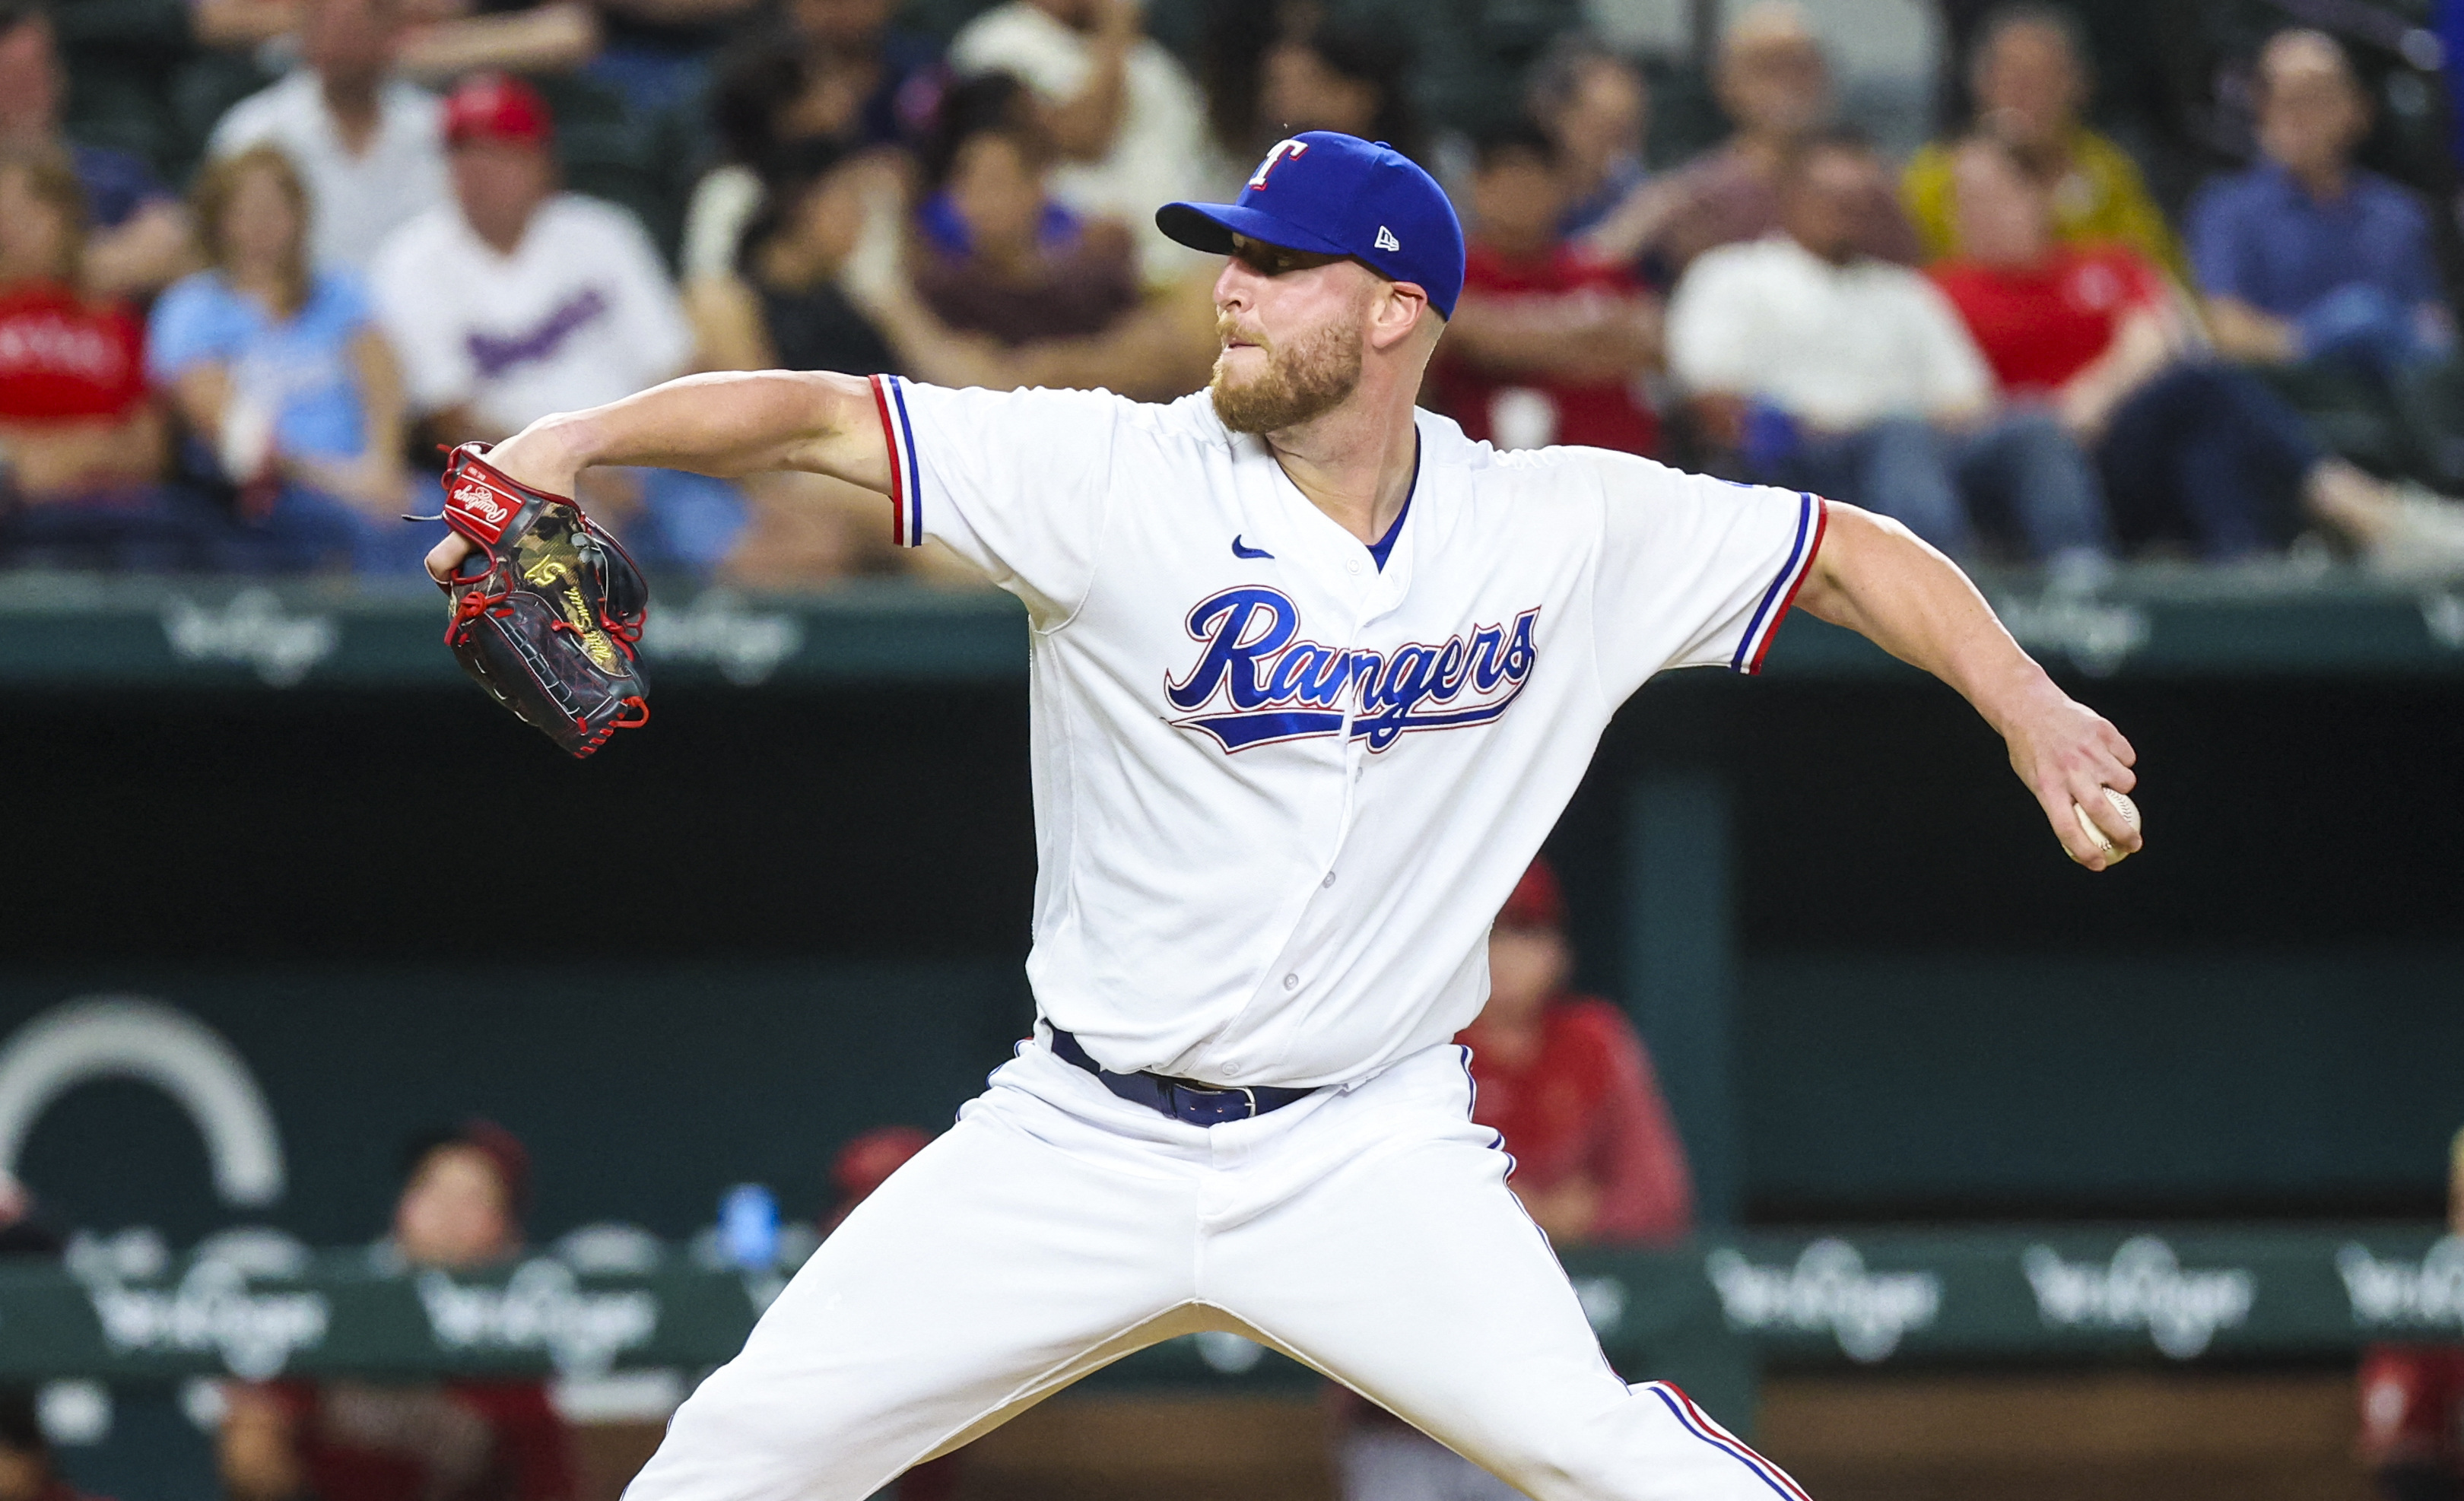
(1401, 308)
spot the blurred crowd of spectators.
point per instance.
(2005, 342)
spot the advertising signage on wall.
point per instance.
(291, 1091)
(121, 1313)
(2054, 1294)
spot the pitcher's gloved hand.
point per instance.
(549, 626)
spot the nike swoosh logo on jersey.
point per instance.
(1239, 551)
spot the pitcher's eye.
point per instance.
(1271, 260)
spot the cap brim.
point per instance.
(1209, 227)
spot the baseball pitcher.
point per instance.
(1313, 675)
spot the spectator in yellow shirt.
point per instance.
(2028, 73)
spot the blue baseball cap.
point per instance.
(1334, 194)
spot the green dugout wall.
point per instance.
(1874, 986)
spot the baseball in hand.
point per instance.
(2125, 809)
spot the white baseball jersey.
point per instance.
(1281, 791)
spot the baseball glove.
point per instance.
(549, 625)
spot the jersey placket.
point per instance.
(1341, 571)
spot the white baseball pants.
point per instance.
(1366, 1231)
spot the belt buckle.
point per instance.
(1216, 1097)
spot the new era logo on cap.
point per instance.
(1334, 194)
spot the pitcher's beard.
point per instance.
(1303, 381)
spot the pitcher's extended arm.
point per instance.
(1875, 577)
(726, 424)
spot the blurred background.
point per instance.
(1935, 1165)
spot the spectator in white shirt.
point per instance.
(514, 300)
(370, 146)
(1825, 369)
(1129, 125)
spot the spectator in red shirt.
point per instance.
(1549, 345)
(461, 1208)
(2190, 449)
(1564, 1078)
(1565, 1081)
(81, 444)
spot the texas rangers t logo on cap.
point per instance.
(1279, 150)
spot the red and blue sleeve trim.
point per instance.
(906, 482)
(1812, 516)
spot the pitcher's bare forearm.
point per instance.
(1875, 578)
(727, 423)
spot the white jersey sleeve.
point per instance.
(1693, 572)
(1018, 483)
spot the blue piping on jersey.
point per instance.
(1787, 571)
(1379, 549)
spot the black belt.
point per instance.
(1182, 1099)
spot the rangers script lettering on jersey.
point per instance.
(1279, 689)
(1252, 742)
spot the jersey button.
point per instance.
(1329, 879)
(1231, 1070)
(1354, 566)
(1291, 982)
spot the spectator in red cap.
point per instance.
(1565, 1080)
(517, 300)
(466, 1190)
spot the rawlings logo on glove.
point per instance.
(479, 506)
(550, 626)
